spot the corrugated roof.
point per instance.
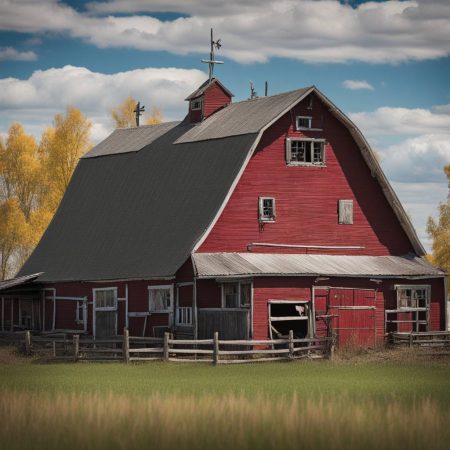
(212, 265)
(18, 281)
(245, 117)
(125, 140)
(204, 86)
(138, 215)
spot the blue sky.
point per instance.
(386, 64)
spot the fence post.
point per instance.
(291, 344)
(126, 346)
(76, 347)
(166, 346)
(410, 340)
(332, 346)
(54, 348)
(216, 348)
(28, 342)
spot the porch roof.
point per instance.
(18, 281)
(212, 265)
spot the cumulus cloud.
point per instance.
(254, 31)
(355, 85)
(387, 121)
(34, 101)
(10, 53)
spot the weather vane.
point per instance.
(138, 110)
(211, 61)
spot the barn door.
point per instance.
(105, 312)
(353, 316)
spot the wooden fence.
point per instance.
(130, 348)
(422, 339)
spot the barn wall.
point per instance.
(215, 98)
(307, 197)
(137, 302)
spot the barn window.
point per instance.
(105, 299)
(303, 122)
(267, 209)
(305, 152)
(412, 296)
(345, 210)
(196, 104)
(236, 294)
(160, 298)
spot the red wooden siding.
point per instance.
(215, 98)
(307, 197)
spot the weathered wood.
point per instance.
(191, 341)
(276, 351)
(126, 346)
(216, 348)
(166, 346)
(231, 324)
(190, 360)
(191, 351)
(291, 343)
(28, 342)
(76, 347)
(147, 350)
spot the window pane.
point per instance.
(317, 152)
(230, 292)
(245, 294)
(159, 299)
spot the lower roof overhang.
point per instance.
(18, 285)
(238, 265)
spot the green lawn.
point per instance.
(314, 404)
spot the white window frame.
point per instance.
(341, 212)
(413, 287)
(155, 288)
(263, 218)
(297, 120)
(104, 308)
(200, 104)
(311, 142)
(239, 283)
(79, 312)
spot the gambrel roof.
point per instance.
(141, 201)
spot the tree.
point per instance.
(125, 117)
(155, 117)
(62, 146)
(13, 234)
(20, 169)
(439, 231)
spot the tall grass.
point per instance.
(112, 421)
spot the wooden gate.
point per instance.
(353, 314)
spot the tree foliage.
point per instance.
(439, 231)
(33, 179)
(125, 117)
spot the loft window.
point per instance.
(105, 299)
(303, 122)
(196, 104)
(160, 298)
(305, 151)
(267, 209)
(412, 296)
(236, 295)
(345, 210)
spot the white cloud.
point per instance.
(10, 53)
(253, 31)
(355, 85)
(34, 101)
(387, 121)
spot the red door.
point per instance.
(353, 316)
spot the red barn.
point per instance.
(250, 218)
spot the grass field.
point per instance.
(372, 403)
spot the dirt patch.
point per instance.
(11, 355)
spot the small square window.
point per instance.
(196, 104)
(303, 122)
(159, 298)
(267, 209)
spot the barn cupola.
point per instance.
(211, 96)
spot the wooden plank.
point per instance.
(147, 350)
(191, 350)
(255, 352)
(191, 341)
(190, 360)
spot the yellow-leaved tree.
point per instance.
(61, 147)
(33, 180)
(125, 117)
(439, 231)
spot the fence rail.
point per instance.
(218, 351)
(422, 339)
